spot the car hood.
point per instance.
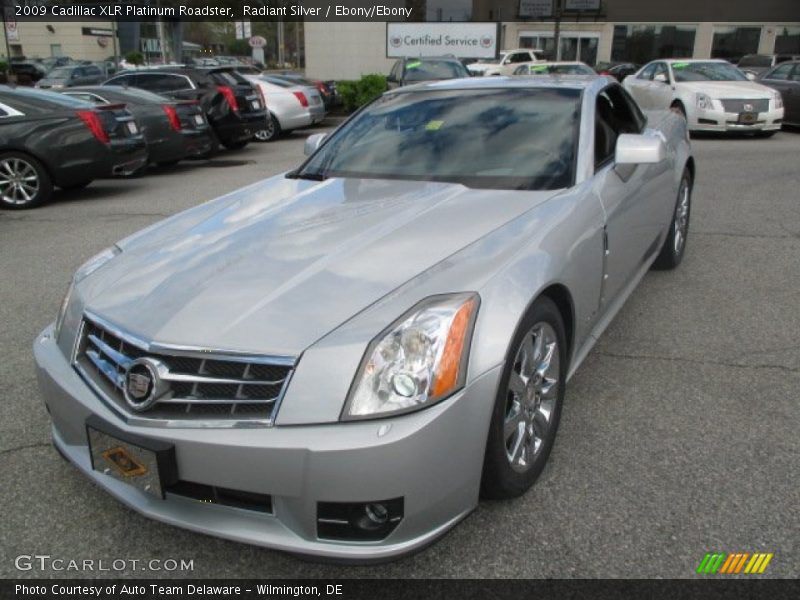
(274, 267)
(729, 89)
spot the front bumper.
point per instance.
(721, 121)
(432, 459)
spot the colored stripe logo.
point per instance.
(722, 563)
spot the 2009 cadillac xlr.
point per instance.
(341, 360)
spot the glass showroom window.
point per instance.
(643, 43)
(787, 40)
(731, 43)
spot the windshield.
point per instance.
(560, 70)
(756, 60)
(492, 61)
(59, 73)
(489, 138)
(706, 71)
(426, 70)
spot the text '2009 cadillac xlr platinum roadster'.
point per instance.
(341, 360)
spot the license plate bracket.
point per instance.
(146, 464)
(748, 118)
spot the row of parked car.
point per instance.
(70, 137)
(712, 94)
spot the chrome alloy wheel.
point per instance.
(262, 135)
(532, 395)
(681, 222)
(19, 183)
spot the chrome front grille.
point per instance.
(202, 387)
(735, 105)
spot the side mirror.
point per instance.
(313, 142)
(637, 149)
(660, 78)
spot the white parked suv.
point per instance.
(713, 94)
(505, 65)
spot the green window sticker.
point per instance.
(434, 125)
(538, 69)
(413, 65)
(680, 65)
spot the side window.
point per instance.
(660, 72)
(519, 57)
(174, 83)
(781, 72)
(77, 72)
(126, 80)
(93, 71)
(647, 72)
(395, 74)
(148, 81)
(635, 112)
(614, 115)
(161, 82)
(796, 75)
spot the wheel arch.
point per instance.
(26, 151)
(561, 297)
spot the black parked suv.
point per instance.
(234, 107)
(47, 139)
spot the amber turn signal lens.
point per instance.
(447, 375)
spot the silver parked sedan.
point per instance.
(290, 105)
(341, 360)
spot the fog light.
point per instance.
(358, 520)
(376, 515)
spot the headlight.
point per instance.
(704, 102)
(94, 263)
(418, 361)
(778, 101)
(86, 269)
(62, 311)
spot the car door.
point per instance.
(393, 81)
(511, 61)
(792, 97)
(785, 78)
(639, 85)
(633, 196)
(660, 90)
(75, 77)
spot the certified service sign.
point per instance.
(462, 40)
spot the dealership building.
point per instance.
(589, 30)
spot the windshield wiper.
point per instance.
(308, 176)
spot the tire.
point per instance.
(272, 131)
(236, 145)
(678, 108)
(674, 247)
(75, 186)
(508, 445)
(24, 182)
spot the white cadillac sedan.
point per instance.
(713, 95)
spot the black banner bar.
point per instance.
(762, 11)
(374, 589)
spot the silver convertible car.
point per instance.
(341, 360)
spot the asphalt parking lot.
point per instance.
(679, 434)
